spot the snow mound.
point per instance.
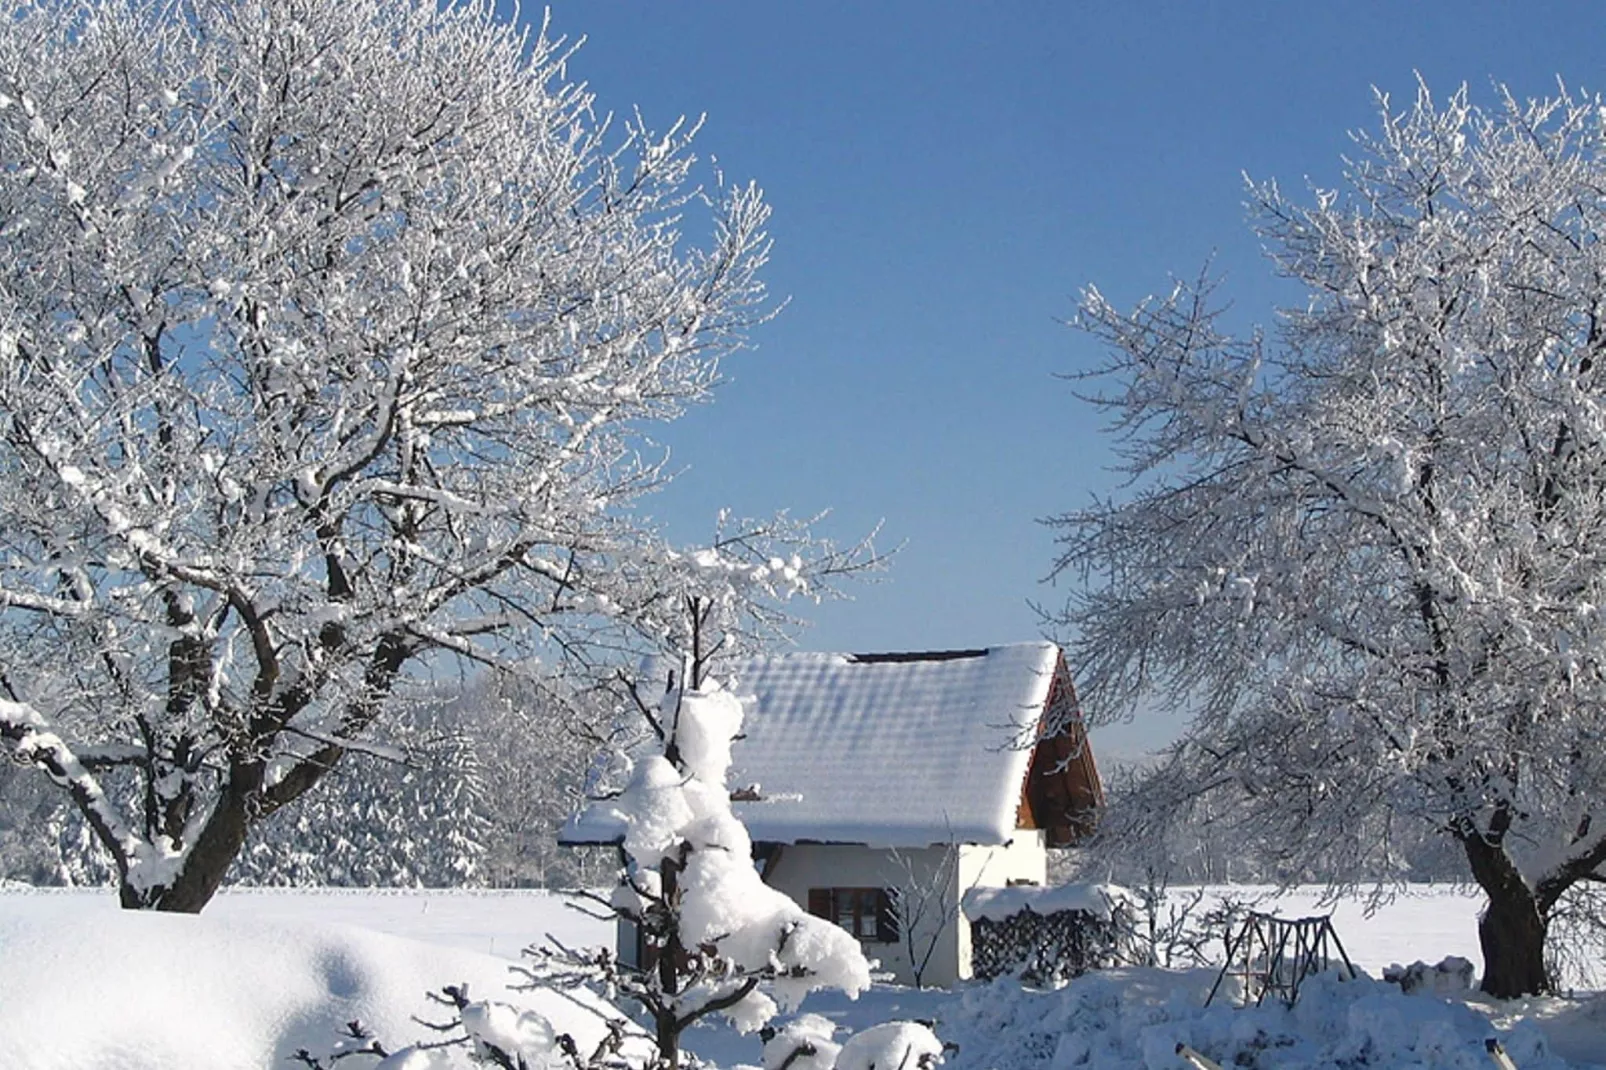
(144, 991)
(891, 1046)
(1133, 1019)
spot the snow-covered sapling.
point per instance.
(492, 1034)
(717, 938)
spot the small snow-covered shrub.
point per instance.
(891, 1046)
(804, 1043)
(1448, 977)
(718, 938)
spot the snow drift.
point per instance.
(144, 991)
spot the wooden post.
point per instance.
(1195, 1060)
(1498, 1054)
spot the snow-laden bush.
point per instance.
(717, 938)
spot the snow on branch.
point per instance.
(34, 743)
(718, 939)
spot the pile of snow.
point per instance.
(1135, 1018)
(145, 991)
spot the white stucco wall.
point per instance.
(1022, 860)
(624, 942)
(945, 949)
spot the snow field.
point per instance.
(86, 986)
(1424, 922)
(262, 972)
(489, 922)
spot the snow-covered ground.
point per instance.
(1424, 922)
(497, 923)
(86, 986)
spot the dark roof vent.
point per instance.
(915, 655)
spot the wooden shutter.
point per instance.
(820, 903)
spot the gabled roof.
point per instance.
(889, 750)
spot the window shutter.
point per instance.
(886, 916)
(820, 903)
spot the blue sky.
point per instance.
(945, 178)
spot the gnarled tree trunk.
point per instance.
(1512, 935)
(1512, 929)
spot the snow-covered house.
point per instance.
(886, 786)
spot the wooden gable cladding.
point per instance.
(1062, 794)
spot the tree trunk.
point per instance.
(1512, 930)
(1512, 935)
(204, 867)
(671, 959)
(668, 1040)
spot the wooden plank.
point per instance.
(1498, 1054)
(1195, 1060)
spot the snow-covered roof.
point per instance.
(889, 750)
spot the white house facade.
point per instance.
(884, 787)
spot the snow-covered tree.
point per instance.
(416, 816)
(328, 333)
(1367, 549)
(718, 939)
(533, 746)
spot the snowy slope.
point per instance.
(86, 987)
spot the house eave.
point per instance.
(617, 841)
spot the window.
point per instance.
(867, 913)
